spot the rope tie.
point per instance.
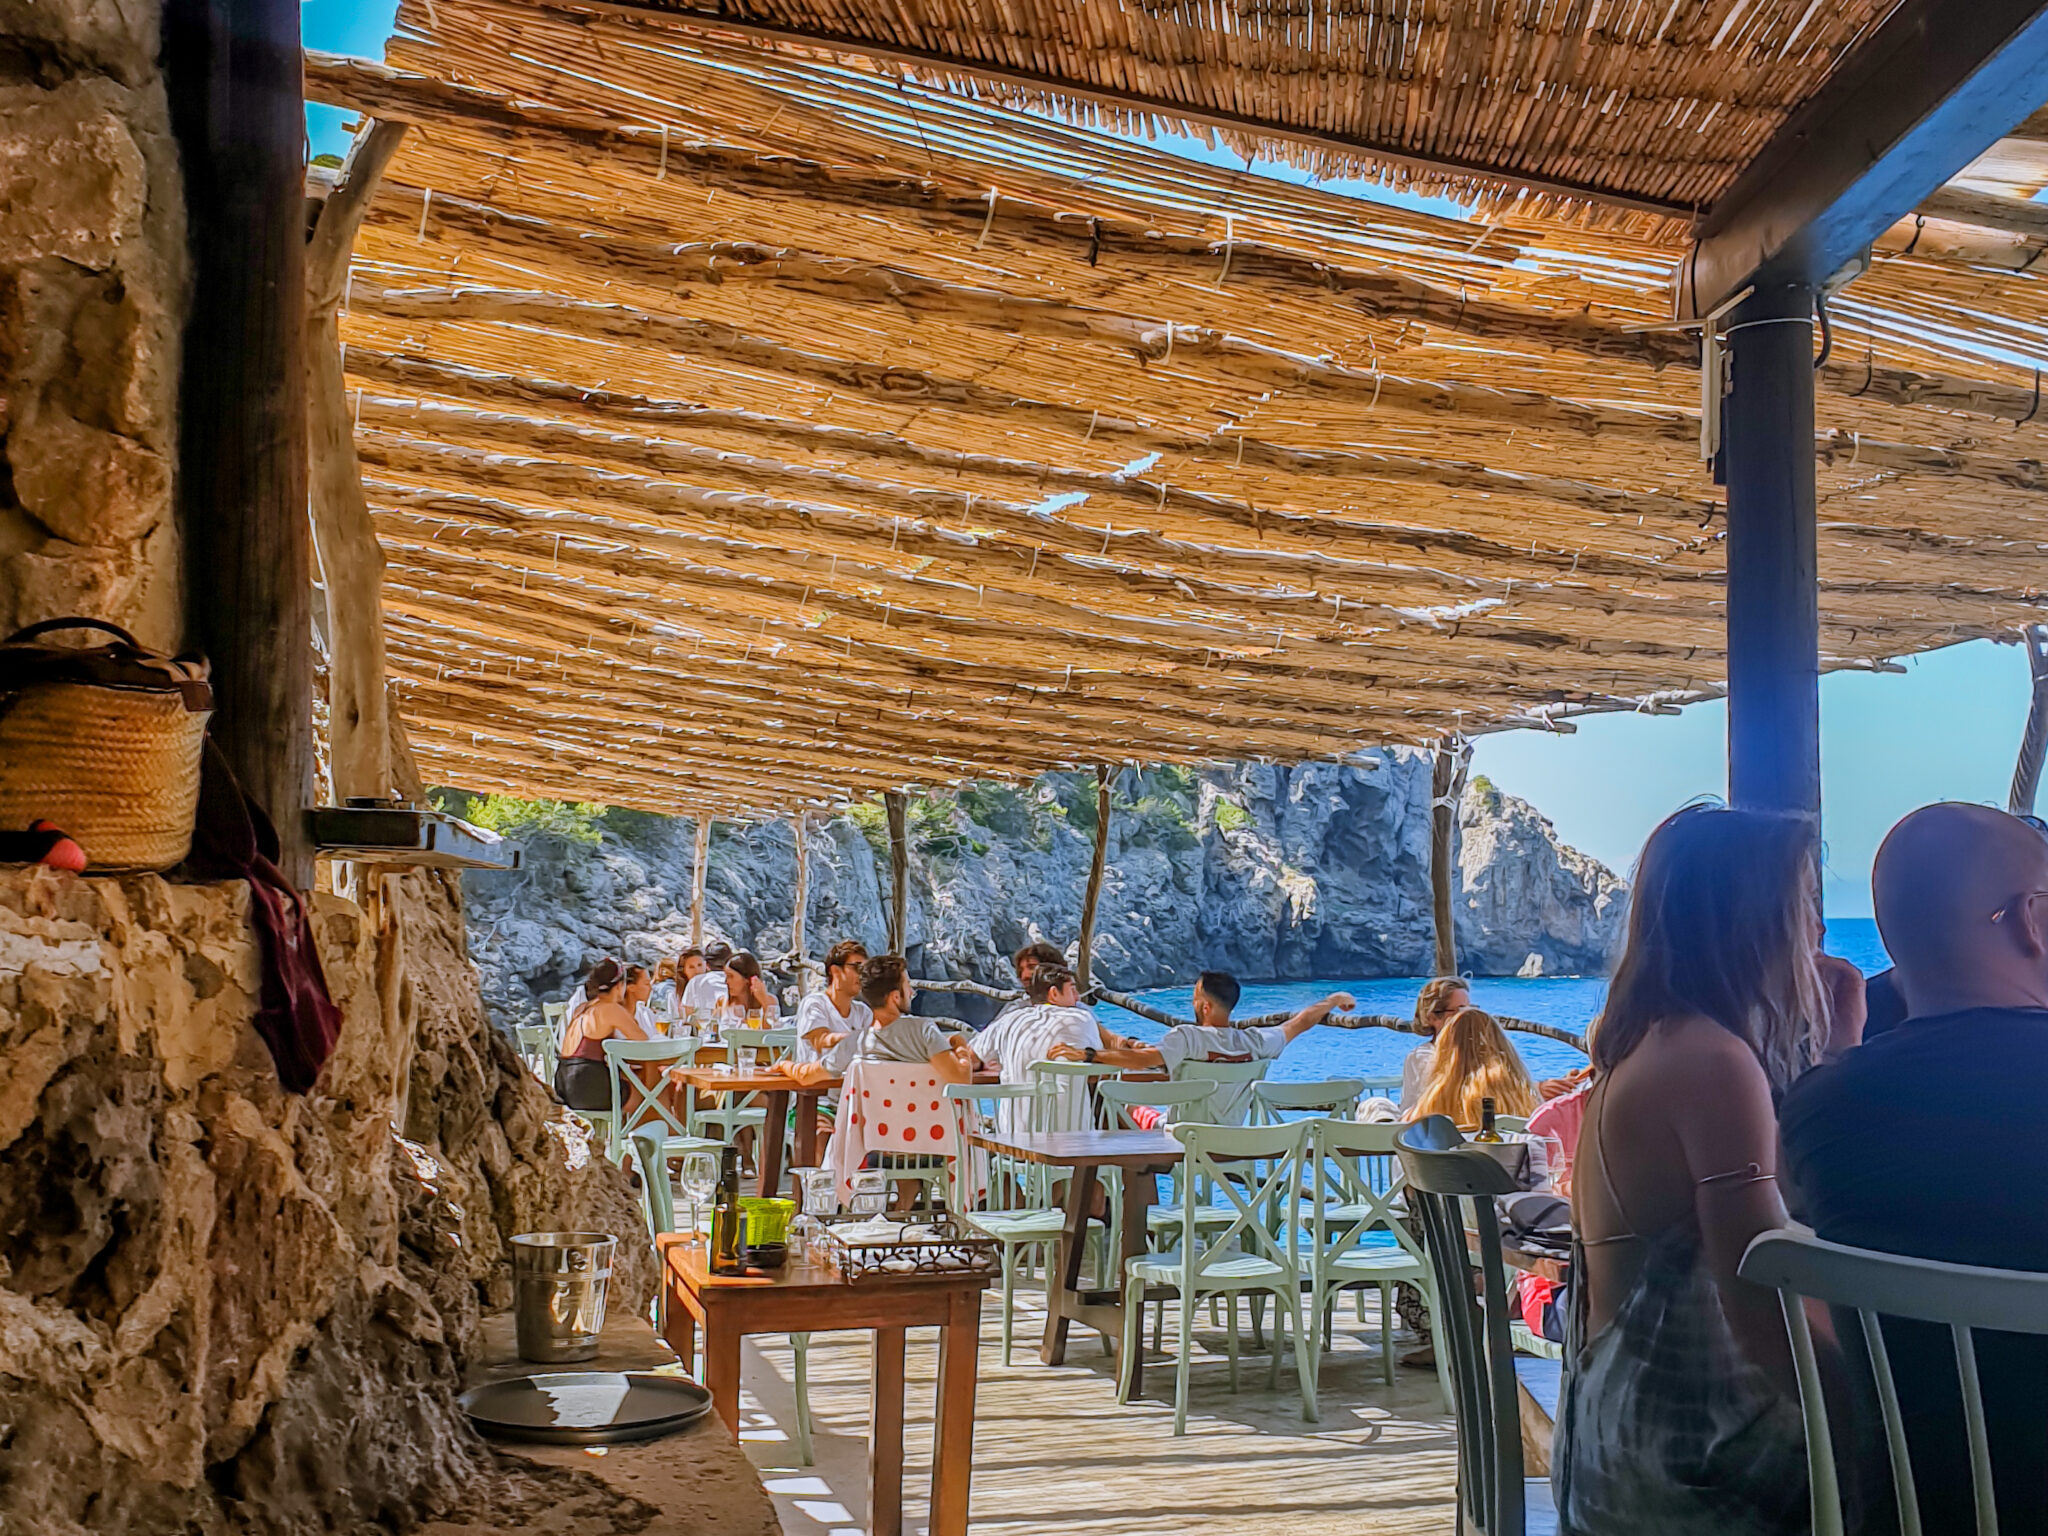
(426, 207)
(989, 222)
(1092, 417)
(1229, 240)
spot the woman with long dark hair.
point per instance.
(582, 1079)
(1680, 1411)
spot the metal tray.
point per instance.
(586, 1407)
(954, 1250)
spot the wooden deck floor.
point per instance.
(1054, 1453)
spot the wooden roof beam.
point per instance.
(1934, 87)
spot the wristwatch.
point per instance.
(1088, 1054)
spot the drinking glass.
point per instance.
(870, 1194)
(698, 1176)
(820, 1191)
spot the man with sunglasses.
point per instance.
(1928, 1140)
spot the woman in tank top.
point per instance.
(581, 1078)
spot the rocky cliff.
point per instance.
(1274, 873)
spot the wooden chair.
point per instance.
(1798, 1266)
(1444, 1176)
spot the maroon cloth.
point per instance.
(234, 840)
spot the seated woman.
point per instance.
(1680, 1410)
(745, 991)
(581, 1078)
(1435, 1005)
(1473, 1061)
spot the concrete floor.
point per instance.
(1055, 1453)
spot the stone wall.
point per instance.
(92, 274)
(225, 1307)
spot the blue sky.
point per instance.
(1945, 730)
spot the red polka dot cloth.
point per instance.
(889, 1106)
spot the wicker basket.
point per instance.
(104, 742)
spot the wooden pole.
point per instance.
(234, 76)
(351, 563)
(1446, 788)
(899, 869)
(697, 863)
(2026, 774)
(1773, 591)
(1086, 951)
(803, 901)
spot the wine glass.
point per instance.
(698, 1176)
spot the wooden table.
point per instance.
(1143, 1156)
(811, 1298)
(777, 1088)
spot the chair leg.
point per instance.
(802, 1376)
(1159, 1329)
(1230, 1301)
(1307, 1366)
(1280, 1305)
(1009, 1295)
(1134, 1332)
(1258, 1320)
(1183, 1366)
(1386, 1327)
(1359, 1296)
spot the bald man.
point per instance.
(1930, 1139)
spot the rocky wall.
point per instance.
(226, 1307)
(92, 278)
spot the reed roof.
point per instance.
(748, 427)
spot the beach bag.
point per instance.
(102, 741)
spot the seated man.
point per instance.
(1212, 1037)
(1028, 962)
(1927, 1140)
(704, 978)
(897, 1034)
(829, 1024)
(1052, 1026)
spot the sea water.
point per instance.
(1569, 1002)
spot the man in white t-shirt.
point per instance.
(1053, 1026)
(704, 978)
(828, 1022)
(1212, 1037)
(1028, 960)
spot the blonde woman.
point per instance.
(1434, 1006)
(1474, 1061)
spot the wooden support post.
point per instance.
(1086, 954)
(1446, 789)
(2026, 774)
(697, 863)
(803, 901)
(351, 563)
(238, 112)
(899, 869)
(1773, 595)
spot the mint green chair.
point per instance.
(1015, 1204)
(658, 1199)
(729, 1114)
(1333, 1098)
(635, 1105)
(1356, 1238)
(1252, 1167)
(1229, 1085)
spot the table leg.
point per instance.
(806, 1155)
(1073, 1244)
(679, 1328)
(953, 1445)
(885, 1436)
(722, 1366)
(771, 1141)
(1141, 1193)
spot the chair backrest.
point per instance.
(777, 1042)
(1255, 1169)
(1444, 1175)
(1230, 1085)
(1274, 1102)
(657, 1196)
(635, 1105)
(1360, 1184)
(1070, 1108)
(556, 1017)
(1181, 1101)
(891, 1107)
(1010, 1183)
(1796, 1264)
(534, 1043)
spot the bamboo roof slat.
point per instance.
(748, 426)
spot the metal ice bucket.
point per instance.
(559, 1281)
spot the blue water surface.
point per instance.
(1570, 1002)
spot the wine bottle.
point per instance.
(725, 1217)
(1487, 1129)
